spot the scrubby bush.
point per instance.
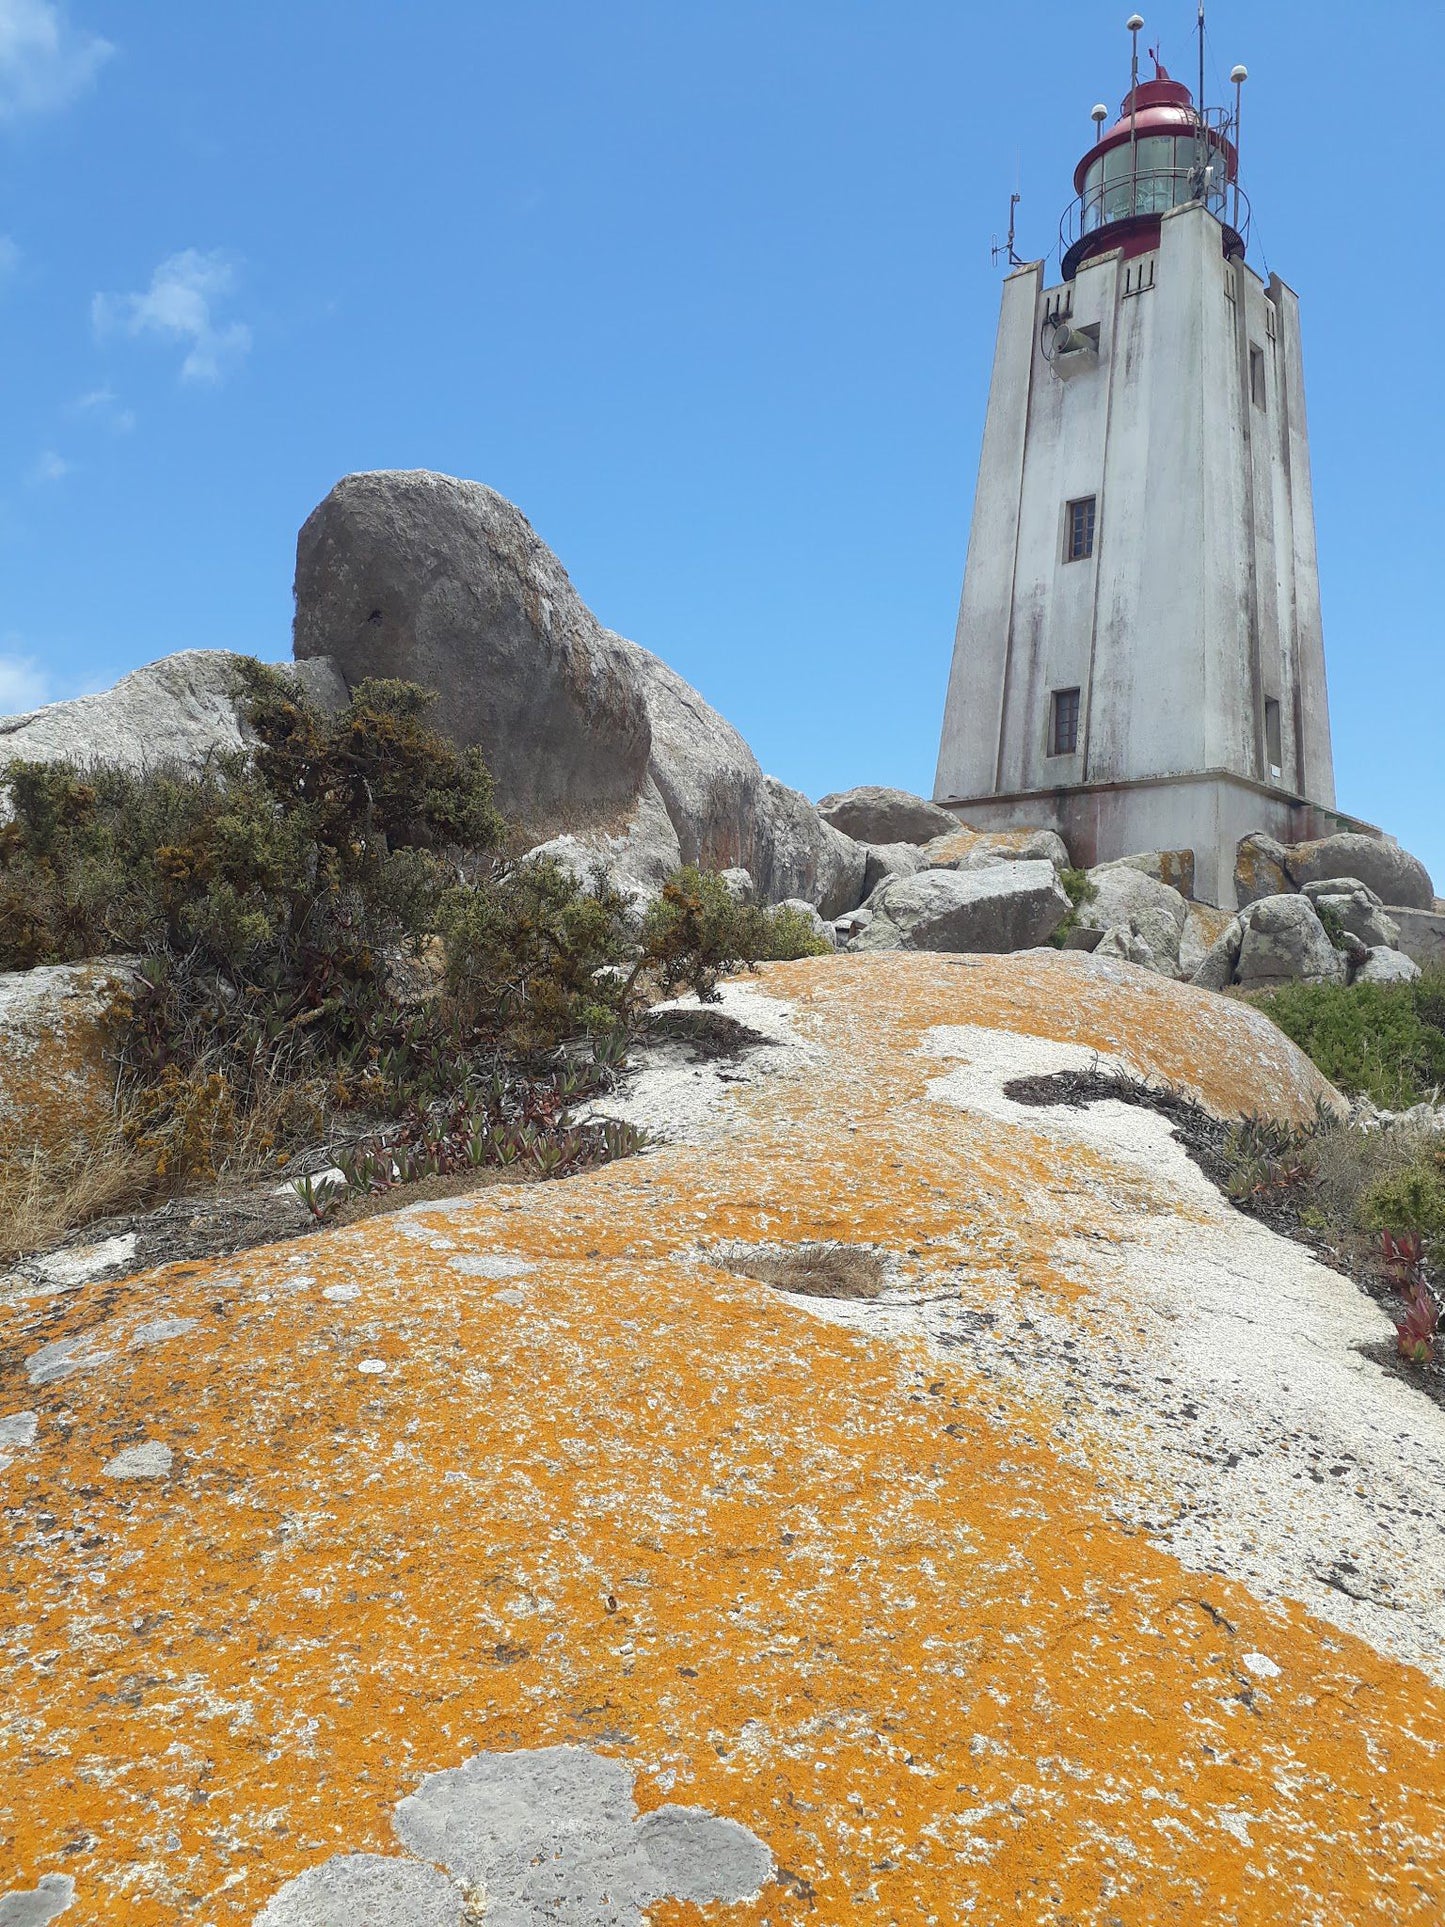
(538, 956)
(696, 931)
(325, 925)
(1382, 1041)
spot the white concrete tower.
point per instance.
(1139, 661)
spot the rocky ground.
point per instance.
(570, 1539)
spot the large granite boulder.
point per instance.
(1215, 969)
(1264, 868)
(1385, 965)
(592, 742)
(1003, 907)
(1259, 869)
(963, 848)
(873, 814)
(1203, 927)
(886, 860)
(1130, 899)
(1174, 867)
(1392, 873)
(1285, 942)
(1356, 909)
(183, 710)
(56, 1079)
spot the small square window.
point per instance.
(1256, 376)
(1079, 528)
(1273, 743)
(1064, 723)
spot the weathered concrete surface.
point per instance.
(1028, 1591)
(1176, 639)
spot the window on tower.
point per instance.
(1273, 741)
(1064, 723)
(1256, 376)
(1079, 528)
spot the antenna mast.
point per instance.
(1007, 247)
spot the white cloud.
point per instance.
(22, 683)
(179, 305)
(45, 62)
(50, 467)
(103, 405)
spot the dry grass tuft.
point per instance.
(811, 1270)
(42, 1198)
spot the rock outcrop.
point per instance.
(556, 1466)
(1285, 942)
(1264, 868)
(1354, 909)
(55, 1077)
(1381, 865)
(183, 709)
(1001, 907)
(1140, 908)
(593, 742)
(873, 814)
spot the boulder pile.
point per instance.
(602, 755)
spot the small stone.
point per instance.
(341, 1294)
(373, 1367)
(1260, 1666)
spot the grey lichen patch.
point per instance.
(550, 1836)
(158, 1330)
(18, 1429)
(61, 1358)
(810, 1270)
(149, 1461)
(35, 1906)
(492, 1264)
(365, 1890)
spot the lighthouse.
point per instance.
(1139, 661)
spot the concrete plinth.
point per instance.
(1208, 813)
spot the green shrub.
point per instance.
(696, 931)
(324, 924)
(535, 957)
(1382, 1041)
(1078, 888)
(788, 934)
(1409, 1201)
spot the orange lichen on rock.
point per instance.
(527, 1467)
(55, 1077)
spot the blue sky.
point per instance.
(705, 288)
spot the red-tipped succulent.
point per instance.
(1415, 1332)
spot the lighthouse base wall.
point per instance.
(1208, 813)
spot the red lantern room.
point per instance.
(1161, 153)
